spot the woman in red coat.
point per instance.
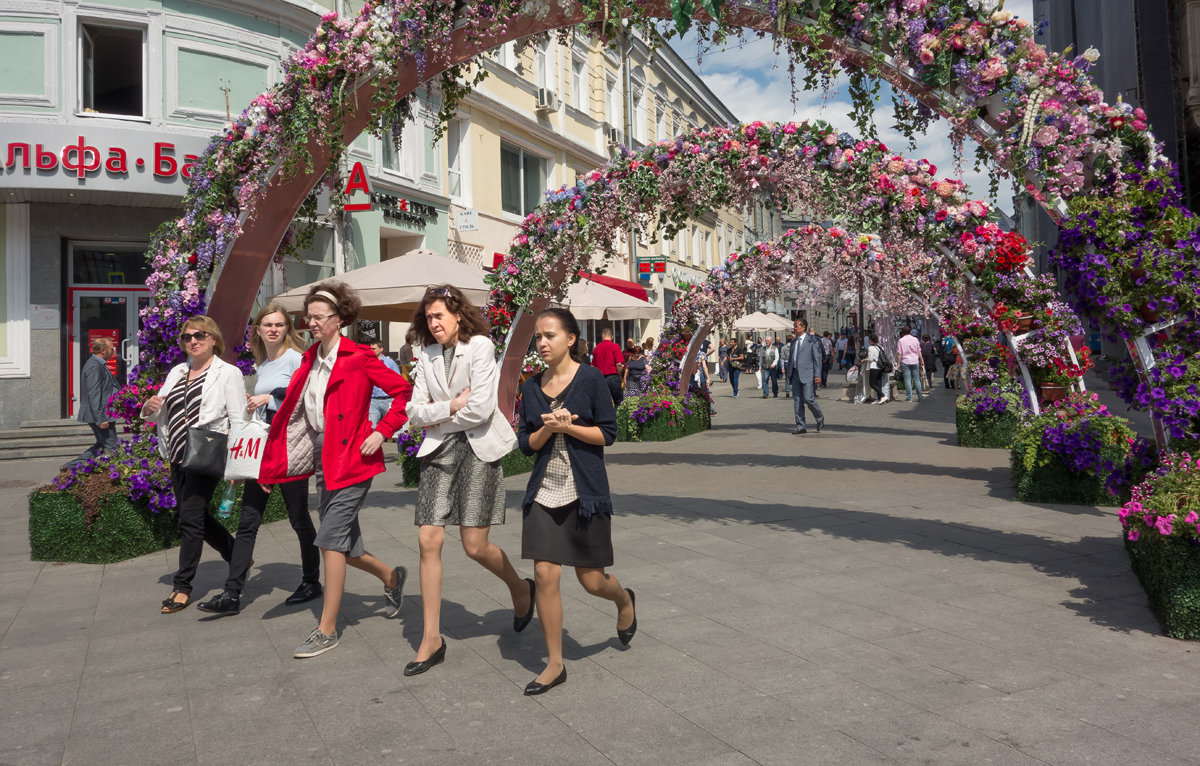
(323, 427)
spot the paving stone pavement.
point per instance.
(867, 595)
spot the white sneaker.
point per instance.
(884, 400)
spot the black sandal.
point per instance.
(171, 606)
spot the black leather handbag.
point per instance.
(206, 450)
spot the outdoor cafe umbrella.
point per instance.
(390, 290)
(760, 321)
(592, 300)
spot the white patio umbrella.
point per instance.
(592, 300)
(390, 290)
(760, 321)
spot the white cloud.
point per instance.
(752, 80)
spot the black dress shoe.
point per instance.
(417, 668)
(520, 623)
(224, 602)
(305, 593)
(799, 431)
(533, 687)
(626, 635)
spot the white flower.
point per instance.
(1091, 55)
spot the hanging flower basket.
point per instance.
(1024, 322)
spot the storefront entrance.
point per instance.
(103, 310)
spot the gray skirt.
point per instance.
(457, 488)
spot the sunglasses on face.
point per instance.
(188, 337)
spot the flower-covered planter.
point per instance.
(1066, 454)
(658, 418)
(1169, 571)
(119, 529)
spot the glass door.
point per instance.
(104, 313)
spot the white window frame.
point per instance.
(612, 101)
(16, 277)
(695, 245)
(545, 74)
(547, 173)
(505, 55)
(579, 82)
(92, 21)
(459, 133)
(708, 255)
(640, 96)
(175, 46)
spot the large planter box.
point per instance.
(58, 530)
(1040, 476)
(663, 427)
(1169, 570)
(992, 431)
(514, 463)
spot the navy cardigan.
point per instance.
(589, 398)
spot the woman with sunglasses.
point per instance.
(203, 392)
(567, 419)
(462, 483)
(322, 427)
(277, 347)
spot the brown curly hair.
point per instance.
(345, 299)
(471, 321)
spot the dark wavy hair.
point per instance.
(570, 326)
(471, 321)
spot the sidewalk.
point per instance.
(867, 595)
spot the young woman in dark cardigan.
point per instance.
(567, 418)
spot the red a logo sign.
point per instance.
(358, 182)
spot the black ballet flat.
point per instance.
(534, 688)
(626, 635)
(417, 668)
(520, 623)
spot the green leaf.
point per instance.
(712, 7)
(682, 11)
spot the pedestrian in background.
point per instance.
(909, 351)
(205, 392)
(875, 370)
(737, 364)
(380, 401)
(97, 384)
(768, 364)
(851, 351)
(785, 358)
(723, 360)
(608, 359)
(806, 375)
(567, 419)
(929, 356)
(839, 350)
(827, 362)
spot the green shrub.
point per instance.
(1169, 570)
(516, 463)
(992, 430)
(124, 529)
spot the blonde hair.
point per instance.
(209, 325)
(291, 338)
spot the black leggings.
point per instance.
(875, 378)
(254, 502)
(197, 526)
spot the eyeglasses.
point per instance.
(188, 337)
(309, 319)
(438, 292)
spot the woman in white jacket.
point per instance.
(203, 392)
(462, 482)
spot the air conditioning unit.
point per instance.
(546, 100)
(614, 135)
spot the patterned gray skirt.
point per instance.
(457, 488)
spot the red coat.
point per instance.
(347, 401)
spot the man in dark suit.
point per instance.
(97, 384)
(807, 356)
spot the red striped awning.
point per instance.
(624, 285)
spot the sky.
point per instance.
(753, 82)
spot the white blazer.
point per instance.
(474, 365)
(222, 400)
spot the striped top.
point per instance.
(183, 417)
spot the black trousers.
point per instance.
(614, 388)
(197, 526)
(875, 379)
(254, 503)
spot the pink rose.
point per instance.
(1046, 136)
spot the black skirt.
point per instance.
(564, 537)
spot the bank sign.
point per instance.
(84, 157)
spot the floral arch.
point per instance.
(1037, 115)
